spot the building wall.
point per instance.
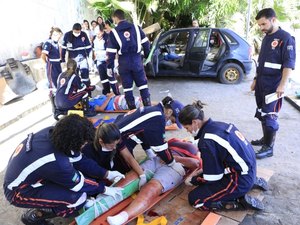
(26, 23)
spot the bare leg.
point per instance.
(147, 193)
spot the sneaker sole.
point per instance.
(254, 203)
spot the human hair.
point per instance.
(93, 21)
(88, 24)
(101, 27)
(108, 22)
(191, 112)
(108, 133)
(54, 29)
(267, 12)
(71, 133)
(76, 26)
(119, 14)
(167, 102)
(71, 67)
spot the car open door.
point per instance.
(198, 51)
(151, 63)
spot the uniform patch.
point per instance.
(127, 35)
(274, 44)
(62, 81)
(83, 39)
(75, 178)
(240, 135)
(290, 47)
(18, 150)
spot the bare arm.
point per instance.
(188, 162)
(44, 57)
(101, 108)
(285, 76)
(128, 157)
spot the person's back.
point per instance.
(127, 41)
(219, 139)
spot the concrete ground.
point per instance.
(228, 103)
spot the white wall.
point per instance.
(25, 23)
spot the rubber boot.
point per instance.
(87, 110)
(131, 104)
(38, 216)
(259, 142)
(147, 101)
(56, 112)
(267, 148)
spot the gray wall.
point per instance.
(25, 23)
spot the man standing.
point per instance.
(275, 64)
(127, 40)
(77, 43)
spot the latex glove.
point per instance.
(177, 167)
(114, 176)
(143, 181)
(109, 72)
(150, 153)
(114, 192)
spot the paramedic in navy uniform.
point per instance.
(127, 40)
(228, 162)
(77, 43)
(275, 64)
(48, 173)
(146, 126)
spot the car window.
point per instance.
(230, 39)
(176, 40)
(201, 40)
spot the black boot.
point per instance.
(87, 110)
(56, 112)
(267, 148)
(259, 142)
(242, 203)
(147, 101)
(38, 216)
(131, 104)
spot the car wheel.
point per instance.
(231, 73)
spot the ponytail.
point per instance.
(71, 67)
(191, 112)
(108, 133)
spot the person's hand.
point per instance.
(110, 94)
(143, 181)
(113, 191)
(177, 167)
(114, 176)
(280, 90)
(252, 87)
(109, 72)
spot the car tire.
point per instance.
(231, 73)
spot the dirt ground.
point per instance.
(231, 103)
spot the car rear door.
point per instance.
(198, 51)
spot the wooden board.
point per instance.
(175, 207)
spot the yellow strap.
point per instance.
(158, 221)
